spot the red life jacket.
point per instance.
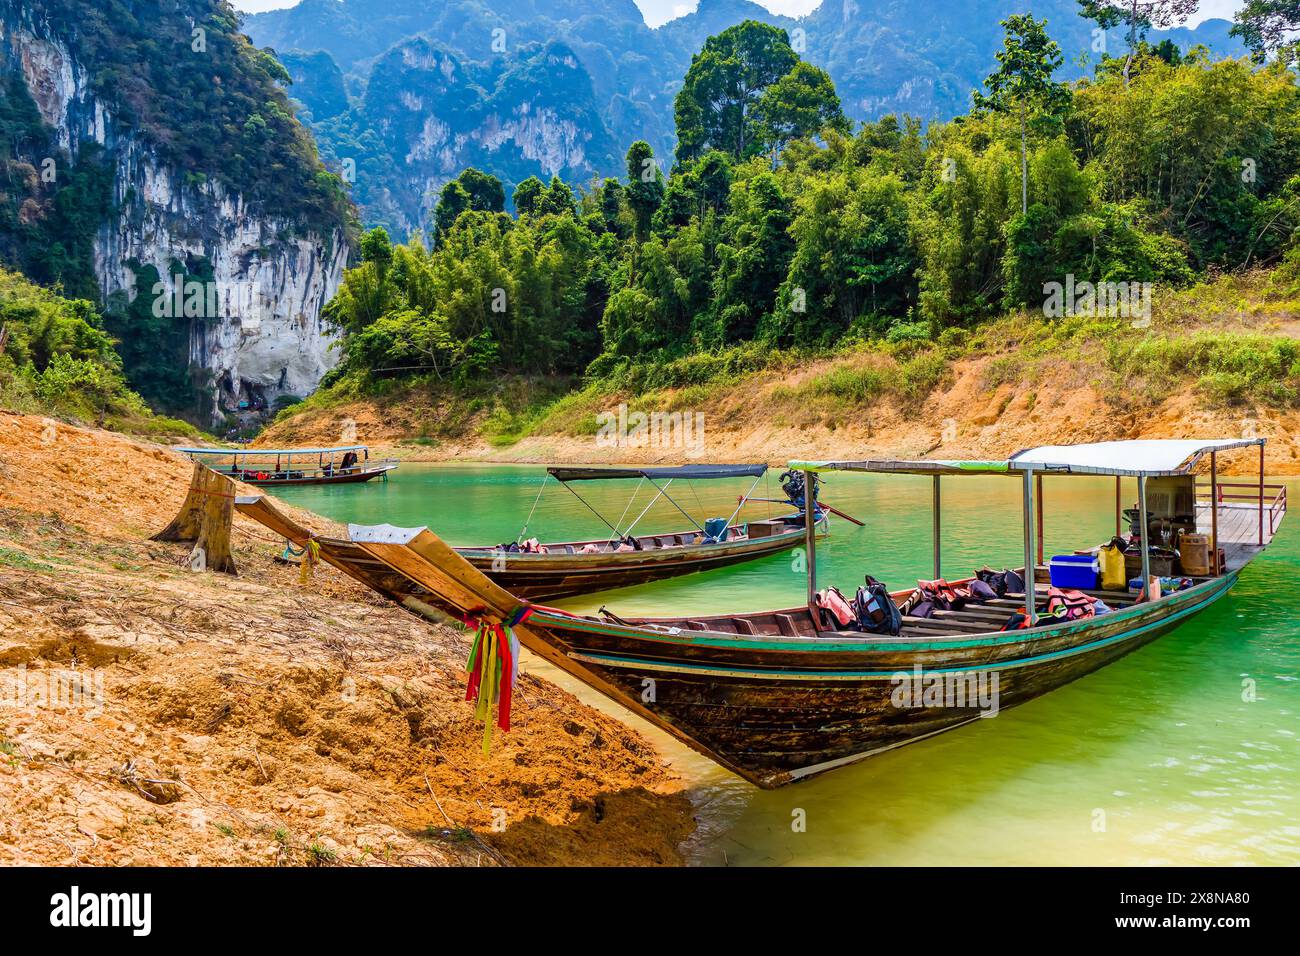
(836, 605)
(943, 595)
(1069, 604)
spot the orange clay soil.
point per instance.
(153, 715)
(758, 420)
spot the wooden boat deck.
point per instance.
(1239, 528)
(982, 618)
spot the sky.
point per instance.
(657, 12)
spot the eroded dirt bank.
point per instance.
(153, 715)
(759, 420)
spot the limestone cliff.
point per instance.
(270, 274)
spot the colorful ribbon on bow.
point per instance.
(493, 668)
(310, 558)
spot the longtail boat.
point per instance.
(775, 695)
(341, 465)
(567, 568)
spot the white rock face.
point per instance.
(271, 278)
(542, 136)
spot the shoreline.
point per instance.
(293, 721)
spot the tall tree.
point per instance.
(725, 81)
(800, 104)
(472, 189)
(1270, 27)
(527, 195)
(645, 186)
(1023, 84)
(1140, 15)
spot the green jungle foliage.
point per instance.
(50, 206)
(59, 360)
(894, 233)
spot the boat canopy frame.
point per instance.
(275, 452)
(1180, 457)
(565, 475)
(1137, 458)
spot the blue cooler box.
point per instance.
(1074, 571)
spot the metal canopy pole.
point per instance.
(565, 485)
(1038, 515)
(1118, 506)
(628, 507)
(1261, 493)
(741, 503)
(810, 548)
(937, 510)
(638, 518)
(1142, 528)
(664, 490)
(1031, 583)
(1214, 515)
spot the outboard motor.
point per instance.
(792, 485)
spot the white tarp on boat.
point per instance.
(1139, 456)
(1145, 456)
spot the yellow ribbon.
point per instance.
(310, 558)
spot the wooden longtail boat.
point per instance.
(773, 695)
(624, 559)
(343, 465)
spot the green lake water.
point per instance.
(1185, 752)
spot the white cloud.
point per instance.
(1210, 9)
(258, 6)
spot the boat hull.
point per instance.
(548, 577)
(775, 712)
(350, 479)
(768, 699)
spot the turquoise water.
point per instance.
(1185, 752)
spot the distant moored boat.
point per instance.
(345, 464)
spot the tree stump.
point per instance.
(206, 518)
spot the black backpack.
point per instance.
(1002, 581)
(875, 609)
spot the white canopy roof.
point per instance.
(246, 452)
(1146, 456)
(1142, 456)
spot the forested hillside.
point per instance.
(522, 87)
(780, 229)
(57, 358)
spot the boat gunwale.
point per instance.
(491, 553)
(357, 473)
(785, 673)
(646, 629)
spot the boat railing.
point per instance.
(1273, 497)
